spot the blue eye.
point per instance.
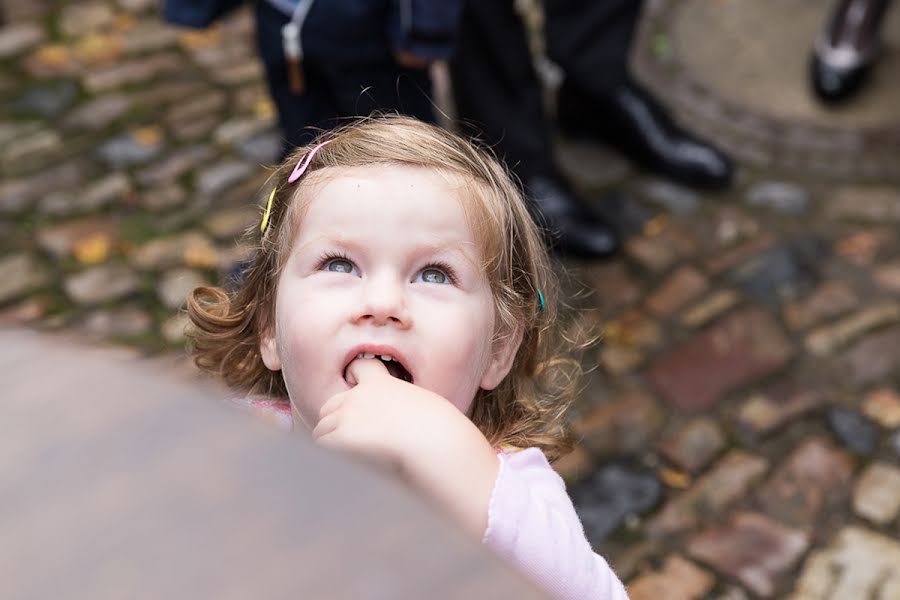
(338, 265)
(432, 275)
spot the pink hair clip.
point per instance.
(303, 163)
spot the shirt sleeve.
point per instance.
(533, 524)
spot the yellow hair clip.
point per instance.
(265, 219)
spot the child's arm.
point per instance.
(533, 524)
(436, 447)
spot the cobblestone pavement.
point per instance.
(740, 436)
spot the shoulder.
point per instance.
(274, 411)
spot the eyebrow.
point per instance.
(437, 248)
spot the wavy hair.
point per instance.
(527, 408)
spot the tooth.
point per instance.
(360, 355)
(368, 355)
(387, 357)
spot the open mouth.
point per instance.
(391, 364)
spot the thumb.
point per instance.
(365, 368)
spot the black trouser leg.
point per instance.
(496, 89)
(591, 41)
(334, 92)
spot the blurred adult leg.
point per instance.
(498, 98)
(591, 42)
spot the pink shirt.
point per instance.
(531, 521)
(532, 524)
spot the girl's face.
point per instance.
(384, 262)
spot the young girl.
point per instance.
(402, 300)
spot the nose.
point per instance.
(384, 302)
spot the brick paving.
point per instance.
(740, 436)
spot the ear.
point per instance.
(268, 349)
(506, 346)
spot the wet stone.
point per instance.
(782, 197)
(99, 113)
(869, 204)
(117, 323)
(826, 340)
(16, 38)
(97, 195)
(130, 149)
(20, 273)
(17, 195)
(228, 224)
(104, 283)
(873, 358)
(861, 247)
(623, 425)
(617, 359)
(264, 149)
(739, 254)
(782, 273)
(12, 131)
(575, 465)
(829, 300)
(59, 241)
(149, 36)
(728, 480)
(681, 287)
(694, 445)
(194, 129)
(132, 72)
(175, 285)
(33, 150)
(237, 130)
(48, 100)
(733, 225)
(858, 564)
(764, 413)
(653, 253)
(670, 197)
(162, 198)
(614, 287)
(137, 6)
(876, 496)
(740, 348)
(26, 311)
(710, 308)
(199, 106)
(887, 277)
(814, 475)
(678, 579)
(242, 72)
(591, 164)
(752, 548)
(173, 329)
(167, 92)
(606, 499)
(223, 175)
(854, 430)
(191, 249)
(78, 19)
(175, 165)
(883, 406)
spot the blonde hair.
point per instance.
(527, 408)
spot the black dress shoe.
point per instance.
(845, 51)
(630, 120)
(570, 228)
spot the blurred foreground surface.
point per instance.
(741, 435)
(119, 480)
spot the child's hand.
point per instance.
(416, 431)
